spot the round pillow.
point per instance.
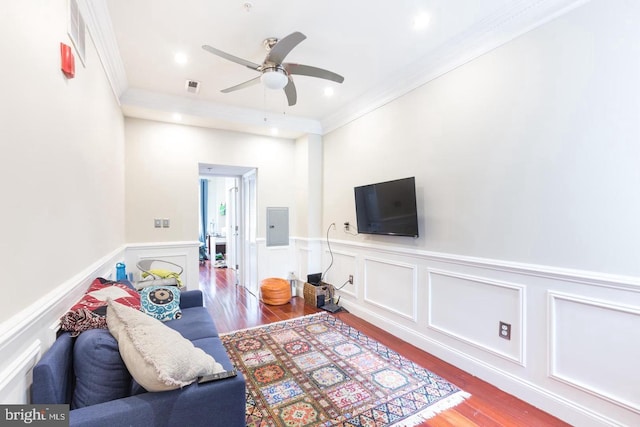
(275, 291)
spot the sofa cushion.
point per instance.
(161, 302)
(90, 311)
(53, 379)
(101, 375)
(199, 324)
(158, 357)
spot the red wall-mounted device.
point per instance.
(67, 62)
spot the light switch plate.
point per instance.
(157, 223)
(165, 223)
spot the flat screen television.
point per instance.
(387, 208)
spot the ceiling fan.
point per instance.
(274, 73)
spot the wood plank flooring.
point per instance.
(233, 308)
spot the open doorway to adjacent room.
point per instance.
(227, 220)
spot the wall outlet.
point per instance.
(351, 279)
(505, 331)
(157, 223)
(347, 226)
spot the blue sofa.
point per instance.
(216, 403)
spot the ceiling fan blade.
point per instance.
(284, 46)
(308, 70)
(290, 91)
(242, 85)
(231, 58)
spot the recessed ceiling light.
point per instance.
(180, 58)
(421, 21)
(177, 116)
(328, 91)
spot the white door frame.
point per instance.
(246, 220)
(249, 265)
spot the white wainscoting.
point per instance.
(26, 336)
(450, 306)
(16, 376)
(391, 286)
(302, 255)
(344, 264)
(308, 253)
(185, 254)
(580, 328)
(275, 261)
(564, 319)
(485, 303)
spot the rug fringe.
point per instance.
(433, 410)
(272, 323)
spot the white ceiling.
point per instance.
(371, 43)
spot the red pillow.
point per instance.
(91, 311)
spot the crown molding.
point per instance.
(98, 20)
(518, 18)
(209, 114)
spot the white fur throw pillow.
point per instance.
(158, 357)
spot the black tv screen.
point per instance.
(387, 208)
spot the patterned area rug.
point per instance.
(318, 371)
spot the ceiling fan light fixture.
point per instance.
(274, 78)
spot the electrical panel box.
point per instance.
(277, 226)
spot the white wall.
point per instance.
(526, 162)
(308, 178)
(62, 173)
(162, 174)
(529, 153)
(61, 181)
(162, 182)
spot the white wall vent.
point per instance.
(192, 86)
(76, 29)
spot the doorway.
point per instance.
(227, 219)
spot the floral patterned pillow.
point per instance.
(90, 312)
(161, 302)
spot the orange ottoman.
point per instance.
(275, 291)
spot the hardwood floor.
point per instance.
(233, 308)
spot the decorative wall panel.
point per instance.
(470, 308)
(392, 286)
(585, 334)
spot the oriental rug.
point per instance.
(318, 371)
